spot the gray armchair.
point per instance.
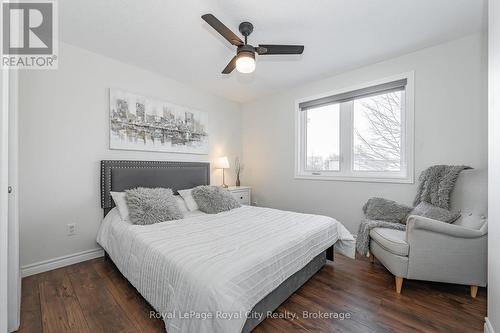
(436, 251)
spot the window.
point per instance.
(363, 134)
(377, 132)
(323, 148)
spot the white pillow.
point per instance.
(181, 204)
(120, 199)
(188, 199)
(471, 221)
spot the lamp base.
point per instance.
(223, 180)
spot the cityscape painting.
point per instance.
(142, 123)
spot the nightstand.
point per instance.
(242, 194)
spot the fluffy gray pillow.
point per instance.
(214, 199)
(386, 210)
(428, 210)
(152, 205)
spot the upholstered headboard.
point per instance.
(122, 175)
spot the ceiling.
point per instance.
(169, 38)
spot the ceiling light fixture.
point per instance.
(244, 60)
(245, 63)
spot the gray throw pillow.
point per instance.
(152, 205)
(214, 199)
(428, 210)
(386, 210)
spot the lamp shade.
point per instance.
(221, 163)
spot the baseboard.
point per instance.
(487, 326)
(48, 265)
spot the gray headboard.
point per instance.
(123, 175)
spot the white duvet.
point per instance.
(204, 273)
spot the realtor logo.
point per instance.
(29, 38)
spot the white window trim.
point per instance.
(408, 119)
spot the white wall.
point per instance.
(450, 128)
(63, 130)
(493, 321)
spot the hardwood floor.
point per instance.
(94, 297)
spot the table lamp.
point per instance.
(222, 163)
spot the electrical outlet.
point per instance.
(71, 229)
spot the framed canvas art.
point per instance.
(142, 123)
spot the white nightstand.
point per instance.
(242, 194)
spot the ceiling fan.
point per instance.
(244, 60)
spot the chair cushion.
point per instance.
(397, 265)
(391, 240)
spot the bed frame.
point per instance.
(120, 175)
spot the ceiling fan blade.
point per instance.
(222, 29)
(230, 67)
(265, 49)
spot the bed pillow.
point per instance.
(187, 195)
(152, 205)
(386, 210)
(214, 199)
(428, 210)
(120, 199)
(181, 203)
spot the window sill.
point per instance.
(405, 180)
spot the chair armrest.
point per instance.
(444, 252)
(415, 222)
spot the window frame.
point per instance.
(346, 143)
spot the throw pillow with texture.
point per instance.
(428, 210)
(214, 199)
(152, 205)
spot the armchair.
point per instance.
(432, 250)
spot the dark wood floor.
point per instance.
(94, 297)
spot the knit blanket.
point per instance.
(363, 238)
(436, 184)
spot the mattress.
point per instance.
(205, 273)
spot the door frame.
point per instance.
(4, 200)
(14, 274)
(10, 277)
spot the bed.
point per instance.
(213, 273)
